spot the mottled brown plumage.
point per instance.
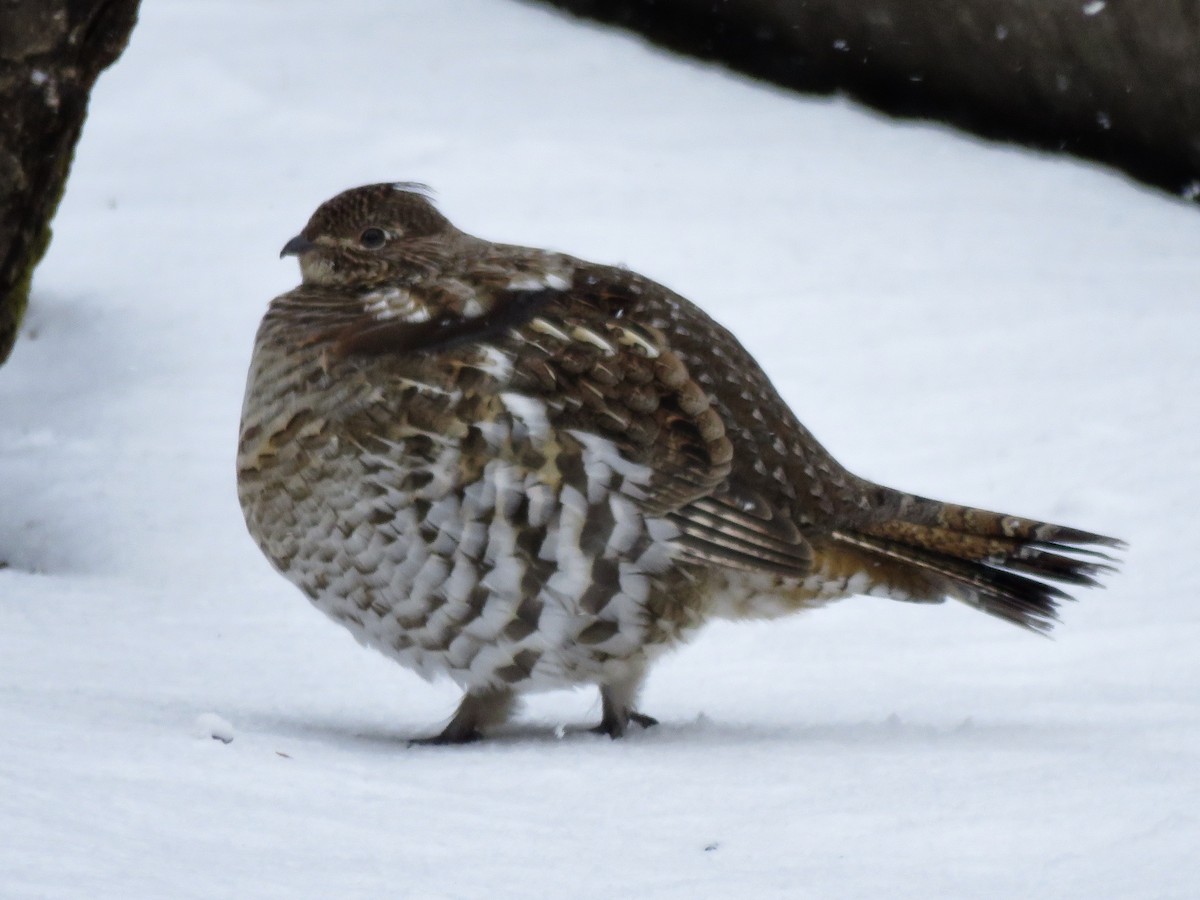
(527, 471)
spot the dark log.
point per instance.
(1107, 80)
(51, 52)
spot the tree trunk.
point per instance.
(1109, 80)
(51, 52)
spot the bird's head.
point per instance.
(371, 234)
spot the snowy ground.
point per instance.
(962, 320)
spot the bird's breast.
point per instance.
(454, 528)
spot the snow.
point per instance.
(963, 320)
(210, 725)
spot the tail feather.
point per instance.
(967, 520)
(1003, 565)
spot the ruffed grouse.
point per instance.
(527, 471)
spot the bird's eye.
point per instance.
(373, 238)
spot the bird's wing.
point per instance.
(594, 348)
(600, 352)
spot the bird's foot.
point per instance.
(476, 712)
(448, 738)
(616, 726)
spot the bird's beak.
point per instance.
(296, 246)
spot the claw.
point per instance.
(642, 719)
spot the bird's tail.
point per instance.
(1005, 565)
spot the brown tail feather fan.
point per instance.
(1004, 565)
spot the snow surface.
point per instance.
(963, 320)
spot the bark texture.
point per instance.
(51, 52)
(1110, 80)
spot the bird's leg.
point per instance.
(477, 711)
(617, 699)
